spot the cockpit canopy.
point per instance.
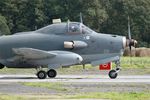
(73, 28)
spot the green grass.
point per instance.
(53, 86)
(17, 71)
(114, 96)
(29, 97)
(100, 95)
(15, 97)
(135, 62)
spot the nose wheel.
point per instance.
(114, 73)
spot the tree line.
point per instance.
(105, 16)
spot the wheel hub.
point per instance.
(41, 75)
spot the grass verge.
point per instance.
(53, 86)
(135, 62)
(89, 96)
(114, 96)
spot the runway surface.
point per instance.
(77, 78)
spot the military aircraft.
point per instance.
(62, 44)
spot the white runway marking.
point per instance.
(77, 78)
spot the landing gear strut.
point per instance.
(114, 73)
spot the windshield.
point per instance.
(86, 30)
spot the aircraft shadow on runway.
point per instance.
(18, 78)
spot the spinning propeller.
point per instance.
(130, 42)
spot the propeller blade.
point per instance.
(81, 20)
(131, 42)
(129, 30)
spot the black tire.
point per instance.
(41, 74)
(51, 73)
(1, 66)
(112, 74)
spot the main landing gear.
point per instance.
(114, 73)
(41, 74)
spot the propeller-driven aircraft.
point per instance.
(62, 44)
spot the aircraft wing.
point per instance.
(50, 58)
(33, 54)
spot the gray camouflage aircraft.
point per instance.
(62, 44)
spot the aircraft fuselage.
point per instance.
(99, 46)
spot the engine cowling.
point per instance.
(74, 44)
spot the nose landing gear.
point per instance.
(114, 73)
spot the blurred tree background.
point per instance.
(104, 16)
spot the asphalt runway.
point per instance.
(77, 78)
